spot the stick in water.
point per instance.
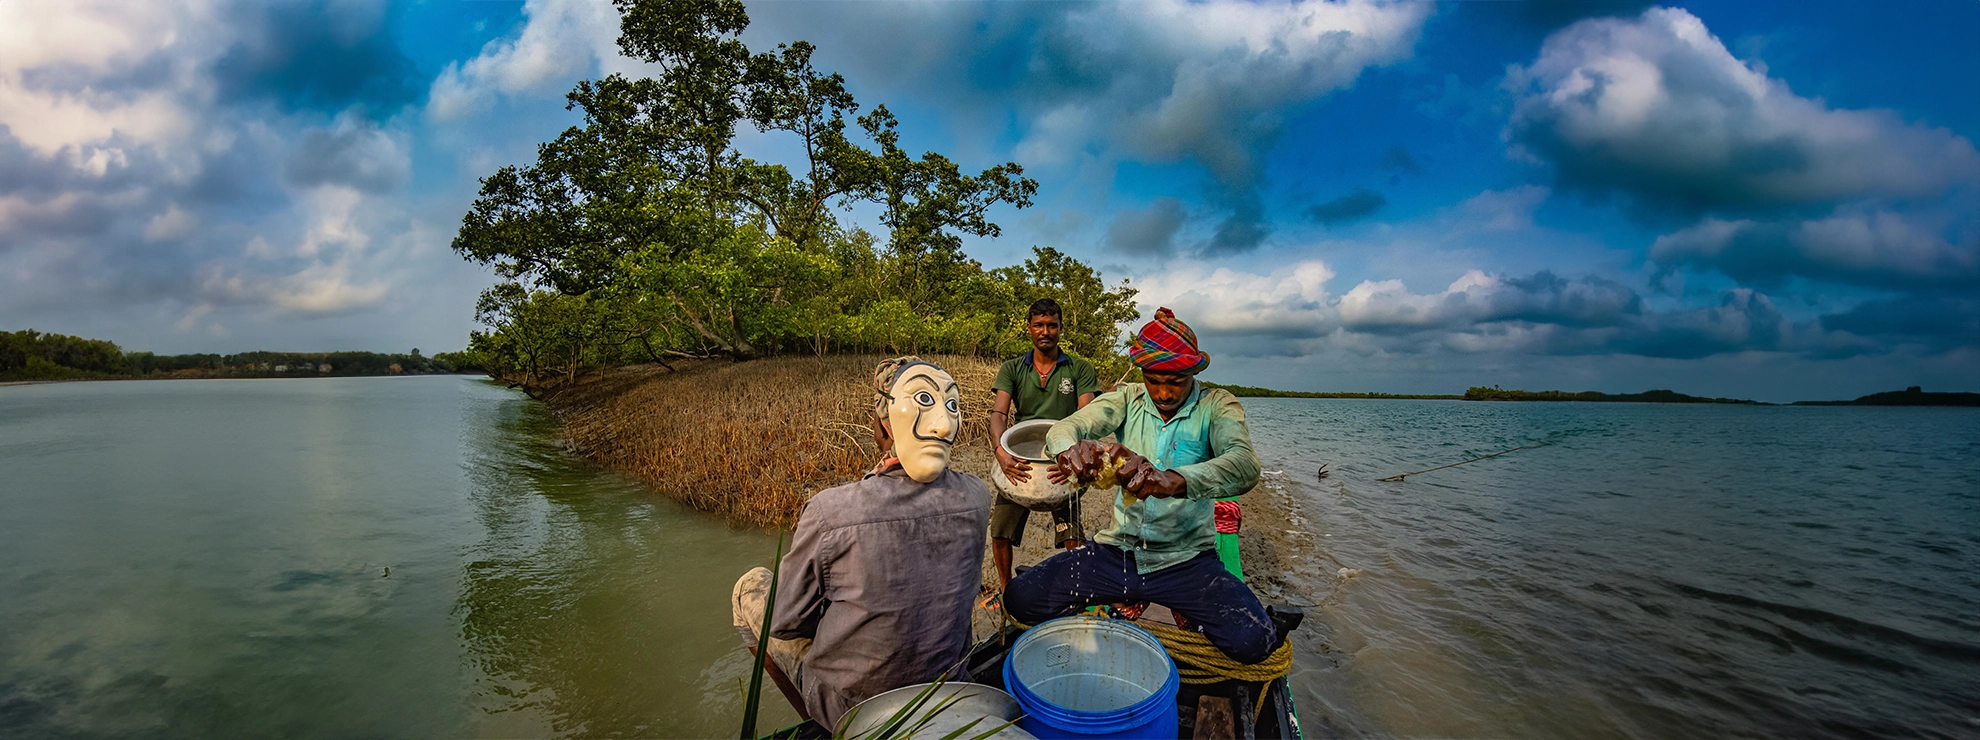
(1400, 476)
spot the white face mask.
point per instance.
(925, 417)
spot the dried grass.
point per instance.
(749, 441)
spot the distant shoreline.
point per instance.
(1913, 396)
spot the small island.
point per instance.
(1912, 396)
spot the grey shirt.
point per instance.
(882, 575)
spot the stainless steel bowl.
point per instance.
(973, 702)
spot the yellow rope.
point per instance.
(1198, 661)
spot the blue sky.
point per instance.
(1756, 199)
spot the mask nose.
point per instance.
(942, 424)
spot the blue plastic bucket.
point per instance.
(1086, 677)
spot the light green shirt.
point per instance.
(1207, 443)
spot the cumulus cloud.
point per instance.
(1656, 109)
(1150, 232)
(1290, 312)
(1353, 206)
(1871, 247)
(1170, 80)
(352, 153)
(561, 39)
(204, 161)
(1940, 320)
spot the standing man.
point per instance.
(1044, 383)
(1181, 448)
(875, 593)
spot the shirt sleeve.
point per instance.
(1100, 418)
(800, 594)
(1234, 470)
(1006, 380)
(1085, 378)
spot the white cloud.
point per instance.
(1657, 108)
(1291, 301)
(1856, 245)
(561, 39)
(1208, 80)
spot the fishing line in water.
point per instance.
(1551, 438)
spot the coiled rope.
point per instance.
(1198, 661)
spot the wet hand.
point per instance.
(1018, 471)
(1081, 462)
(1140, 479)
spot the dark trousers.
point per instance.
(1200, 589)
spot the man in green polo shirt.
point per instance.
(1045, 383)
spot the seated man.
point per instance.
(877, 589)
(1181, 447)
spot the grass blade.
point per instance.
(755, 697)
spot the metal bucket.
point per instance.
(972, 702)
(1084, 677)
(1025, 441)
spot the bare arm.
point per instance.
(1017, 470)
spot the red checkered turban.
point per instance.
(1166, 345)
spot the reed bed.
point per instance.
(749, 441)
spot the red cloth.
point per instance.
(1167, 345)
(1228, 517)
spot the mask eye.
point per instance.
(951, 405)
(924, 398)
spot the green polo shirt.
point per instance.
(1055, 396)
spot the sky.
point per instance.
(1766, 200)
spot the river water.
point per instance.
(418, 557)
(1654, 571)
(209, 559)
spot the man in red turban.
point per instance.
(1181, 448)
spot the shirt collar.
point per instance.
(1189, 404)
(1063, 357)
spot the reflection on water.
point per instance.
(591, 607)
(1664, 571)
(371, 557)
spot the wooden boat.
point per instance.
(1225, 709)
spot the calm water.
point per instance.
(1657, 571)
(208, 558)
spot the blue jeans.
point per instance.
(1214, 601)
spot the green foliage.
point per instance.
(643, 234)
(32, 355)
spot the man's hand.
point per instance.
(1140, 479)
(1079, 463)
(1018, 471)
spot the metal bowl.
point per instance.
(1025, 441)
(984, 705)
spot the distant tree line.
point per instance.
(33, 355)
(1481, 393)
(644, 235)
